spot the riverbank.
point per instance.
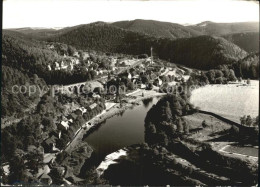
(114, 110)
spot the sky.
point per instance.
(63, 13)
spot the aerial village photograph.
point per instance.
(130, 93)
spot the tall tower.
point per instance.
(151, 55)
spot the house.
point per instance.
(65, 124)
(158, 82)
(89, 62)
(57, 66)
(59, 134)
(76, 54)
(49, 144)
(83, 110)
(51, 46)
(129, 76)
(77, 61)
(142, 86)
(92, 106)
(85, 55)
(100, 72)
(93, 94)
(46, 179)
(43, 170)
(70, 67)
(63, 66)
(72, 116)
(6, 169)
(114, 68)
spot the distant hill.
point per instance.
(158, 29)
(35, 32)
(202, 52)
(211, 28)
(248, 41)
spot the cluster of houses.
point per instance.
(65, 124)
(67, 65)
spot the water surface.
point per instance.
(121, 130)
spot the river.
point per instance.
(120, 131)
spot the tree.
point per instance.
(130, 85)
(218, 74)
(177, 108)
(249, 120)
(204, 78)
(204, 124)
(219, 80)
(211, 76)
(48, 124)
(186, 127)
(232, 76)
(145, 79)
(243, 120)
(149, 86)
(179, 125)
(71, 50)
(35, 160)
(163, 138)
(57, 174)
(225, 71)
(256, 121)
(151, 128)
(187, 109)
(17, 170)
(168, 112)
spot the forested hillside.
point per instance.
(248, 41)
(248, 67)
(31, 56)
(15, 100)
(202, 52)
(158, 29)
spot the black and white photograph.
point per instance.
(130, 93)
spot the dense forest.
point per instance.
(248, 41)
(24, 56)
(158, 29)
(16, 103)
(248, 67)
(202, 52)
(31, 56)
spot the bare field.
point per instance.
(245, 150)
(231, 101)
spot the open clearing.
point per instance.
(231, 101)
(250, 151)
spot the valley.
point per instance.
(138, 102)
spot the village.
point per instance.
(139, 77)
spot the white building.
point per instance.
(129, 76)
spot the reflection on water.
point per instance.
(146, 102)
(120, 131)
